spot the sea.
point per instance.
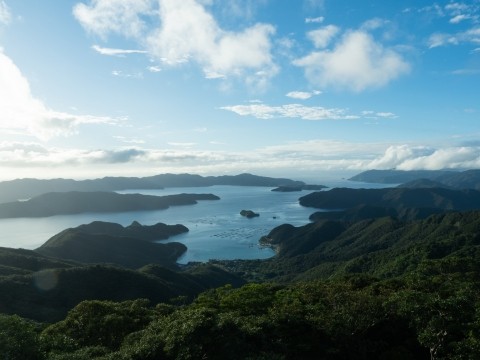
(216, 228)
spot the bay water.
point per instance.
(216, 228)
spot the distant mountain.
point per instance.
(397, 176)
(22, 189)
(396, 198)
(64, 203)
(469, 179)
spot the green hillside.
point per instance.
(378, 288)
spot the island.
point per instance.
(74, 202)
(292, 188)
(103, 242)
(249, 214)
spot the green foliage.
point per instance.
(18, 338)
(375, 289)
(97, 323)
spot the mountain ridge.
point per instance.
(21, 189)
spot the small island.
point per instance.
(292, 188)
(249, 214)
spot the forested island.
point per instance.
(76, 202)
(382, 274)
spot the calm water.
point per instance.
(217, 230)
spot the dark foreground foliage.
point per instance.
(428, 314)
(377, 289)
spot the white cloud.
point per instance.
(182, 144)
(129, 140)
(373, 24)
(459, 18)
(315, 20)
(120, 73)
(357, 62)
(154, 68)
(262, 111)
(188, 32)
(466, 72)
(302, 95)
(387, 115)
(36, 155)
(459, 12)
(322, 37)
(22, 112)
(439, 39)
(124, 17)
(116, 52)
(456, 7)
(5, 15)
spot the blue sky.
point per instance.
(296, 88)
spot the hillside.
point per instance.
(64, 203)
(49, 294)
(129, 252)
(364, 212)
(373, 289)
(382, 247)
(22, 189)
(396, 198)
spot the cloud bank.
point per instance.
(405, 157)
(300, 157)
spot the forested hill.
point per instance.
(132, 246)
(381, 247)
(374, 289)
(397, 198)
(22, 189)
(64, 203)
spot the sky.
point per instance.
(293, 88)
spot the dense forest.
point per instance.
(370, 285)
